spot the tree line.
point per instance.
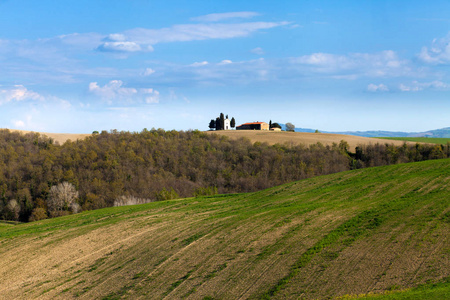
(40, 179)
(219, 123)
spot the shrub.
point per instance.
(38, 214)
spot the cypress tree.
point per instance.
(222, 121)
(218, 123)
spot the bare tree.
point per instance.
(130, 200)
(290, 126)
(61, 197)
(14, 208)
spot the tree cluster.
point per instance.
(219, 122)
(39, 179)
(274, 125)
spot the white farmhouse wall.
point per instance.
(226, 125)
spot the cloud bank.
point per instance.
(18, 93)
(143, 39)
(438, 52)
(115, 91)
(225, 16)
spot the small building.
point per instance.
(275, 129)
(253, 126)
(226, 124)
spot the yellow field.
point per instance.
(61, 138)
(274, 137)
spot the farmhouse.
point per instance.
(253, 126)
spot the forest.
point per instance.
(121, 168)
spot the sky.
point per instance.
(83, 66)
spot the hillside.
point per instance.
(307, 138)
(369, 230)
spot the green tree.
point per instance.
(218, 123)
(276, 125)
(212, 124)
(233, 123)
(222, 121)
(270, 124)
(38, 214)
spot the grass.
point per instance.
(442, 141)
(435, 291)
(363, 232)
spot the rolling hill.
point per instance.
(271, 137)
(358, 232)
(307, 138)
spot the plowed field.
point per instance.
(364, 231)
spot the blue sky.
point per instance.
(80, 66)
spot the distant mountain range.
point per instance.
(437, 133)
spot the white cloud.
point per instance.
(225, 62)
(19, 124)
(116, 37)
(224, 16)
(438, 52)
(26, 121)
(377, 88)
(257, 50)
(111, 90)
(382, 64)
(148, 72)
(79, 40)
(142, 39)
(114, 90)
(199, 64)
(416, 86)
(18, 93)
(59, 52)
(196, 32)
(123, 47)
(151, 95)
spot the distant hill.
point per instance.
(437, 133)
(366, 231)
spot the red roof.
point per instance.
(253, 123)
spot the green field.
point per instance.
(380, 231)
(442, 141)
(435, 291)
